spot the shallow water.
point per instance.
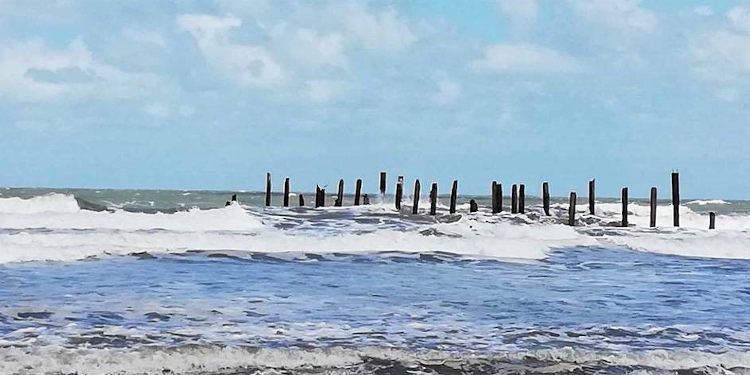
(105, 286)
(591, 300)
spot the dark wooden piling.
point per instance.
(454, 196)
(399, 192)
(652, 203)
(572, 209)
(322, 197)
(521, 199)
(545, 197)
(301, 200)
(318, 202)
(415, 206)
(711, 220)
(382, 183)
(493, 194)
(514, 199)
(366, 199)
(676, 198)
(286, 192)
(592, 196)
(498, 193)
(473, 207)
(340, 194)
(268, 189)
(433, 198)
(624, 207)
(357, 191)
(234, 197)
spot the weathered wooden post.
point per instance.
(652, 203)
(340, 195)
(415, 206)
(317, 196)
(322, 197)
(676, 198)
(514, 199)
(522, 199)
(357, 191)
(493, 194)
(234, 197)
(366, 199)
(498, 192)
(711, 220)
(301, 200)
(433, 198)
(454, 196)
(592, 196)
(545, 197)
(286, 192)
(624, 207)
(399, 192)
(572, 209)
(473, 207)
(382, 183)
(268, 189)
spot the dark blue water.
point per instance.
(597, 300)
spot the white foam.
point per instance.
(707, 202)
(203, 359)
(52, 227)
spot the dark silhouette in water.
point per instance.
(365, 199)
(473, 206)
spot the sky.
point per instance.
(213, 94)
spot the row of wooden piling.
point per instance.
(518, 198)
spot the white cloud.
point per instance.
(448, 91)
(309, 46)
(383, 30)
(624, 15)
(525, 58)
(249, 65)
(519, 11)
(146, 36)
(321, 91)
(30, 71)
(725, 52)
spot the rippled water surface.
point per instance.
(587, 299)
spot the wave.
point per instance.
(214, 359)
(707, 202)
(61, 227)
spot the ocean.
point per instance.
(175, 282)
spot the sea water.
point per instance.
(134, 282)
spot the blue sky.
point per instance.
(212, 94)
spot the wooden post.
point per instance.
(711, 220)
(322, 197)
(676, 198)
(652, 203)
(454, 196)
(514, 199)
(493, 194)
(365, 199)
(317, 196)
(234, 197)
(572, 209)
(301, 200)
(340, 195)
(415, 207)
(268, 189)
(592, 196)
(382, 183)
(521, 199)
(545, 197)
(473, 206)
(357, 191)
(625, 207)
(433, 198)
(286, 192)
(399, 192)
(499, 197)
